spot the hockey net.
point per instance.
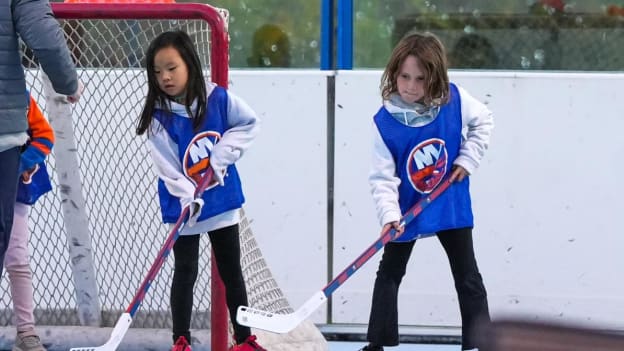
(96, 234)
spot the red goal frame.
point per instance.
(219, 55)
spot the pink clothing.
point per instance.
(17, 264)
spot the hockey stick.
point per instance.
(124, 321)
(283, 323)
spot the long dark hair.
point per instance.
(195, 87)
(432, 58)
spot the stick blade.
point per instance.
(279, 323)
(273, 322)
(121, 327)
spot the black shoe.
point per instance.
(371, 347)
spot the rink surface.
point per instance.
(339, 338)
(354, 346)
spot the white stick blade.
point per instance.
(121, 327)
(278, 323)
(255, 318)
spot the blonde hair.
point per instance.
(431, 55)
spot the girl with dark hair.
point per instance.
(192, 125)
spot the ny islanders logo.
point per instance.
(426, 165)
(197, 156)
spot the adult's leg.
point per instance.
(383, 325)
(17, 263)
(186, 253)
(226, 248)
(471, 293)
(9, 159)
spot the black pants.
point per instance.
(226, 248)
(383, 328)
(9, 161)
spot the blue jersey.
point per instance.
(194, 149)
(423, 157)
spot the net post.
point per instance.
(219, 321)
(219, 312)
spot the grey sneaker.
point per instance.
(28, 342)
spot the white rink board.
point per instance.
(547, 202)
(284, 176)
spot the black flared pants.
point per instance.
(383, 328)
